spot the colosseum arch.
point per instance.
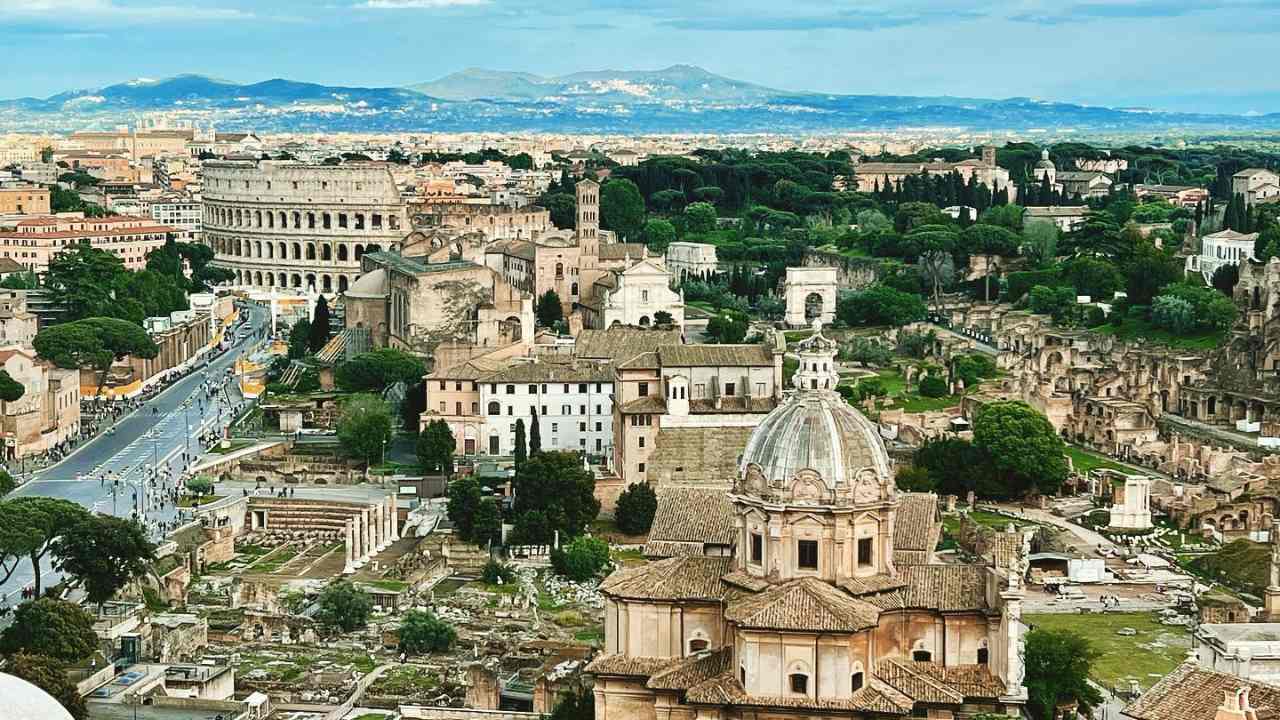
(283, 282)
(297, 251)
(311, 221)
(342, 252)
(297, 220)
(309, 282)
(326, 252)
(295, 281)
(257, 279)
(271, 219)
(326, 283)
(282, 251)
(311, 251)
(342, 283)
(284, 219)
(257, 218)
(359, 251)
(375, 247)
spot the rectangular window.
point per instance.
(582, 409)
(599, 447)
(643, 389)
(599, 427)
(458, 386)
(544, 409)
(511, 389)
(759, 389)
(808, 554)
(864, 552)
(582, 387)
(533, 389)
(641, 441)
(555, 427)
(459, 408)
(730, 389)
(597, 390)
(582, 427)
(757, 548)
(640, 468)
(441, 384)
(441, 407)
(597, 409)
(699, 391)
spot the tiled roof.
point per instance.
(736, 404)
(644, 361)
(612, 664)
(621, 251)
(553, 371)
(684, 578)
(874, 697)
(522, 249)
(692, 515)
(697, 455)
(658, 549)
(715, 355)
(871, 585)
(945, 588)
(646, 404)
(1192, 693)
(804, 605)
(933, 683)
(1004, 548)
(916, 525)
(622, 343)
(902, 558)
(745, 581)
(691, 670)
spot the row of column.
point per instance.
(370, 531)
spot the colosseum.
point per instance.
(293, 225)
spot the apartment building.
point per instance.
(33, 241)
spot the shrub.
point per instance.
(582, 559)
(932, 386)
(636, 507)
(495, 573)
(423, 632)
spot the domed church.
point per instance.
(829, 602)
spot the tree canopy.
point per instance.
(1057, 671)
(364, 427)
(104, 553)
(55, 628)
(343, 606)
(553, 492)
(1023, 446)
(376, 370)
(435, 447)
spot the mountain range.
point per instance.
(680, 98)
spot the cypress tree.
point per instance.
(522, 450)
(1046, 190)
(319, 326)
(535, 437)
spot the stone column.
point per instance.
(357, 541)
(380, 526)
(368, 533)
(394, 517)
(350, 567)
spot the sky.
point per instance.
(1189, 55)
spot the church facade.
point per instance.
(829, 604)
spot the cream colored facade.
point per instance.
(816, 614)
(687, 258)
(287, 224)
(634, 296)
(24, 200)
(34, 241)
(48, 413)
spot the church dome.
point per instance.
(814, 446)
(28, 702)
(1045, 162)
(818, 431)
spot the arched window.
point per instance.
(559, 271)
(697, 645)
(495, 408)
(921, 655)
(799, 683)
(983, 656)
(855, 683)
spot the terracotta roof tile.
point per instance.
(692, 515)
(945, 588)
(933, 683)
(553, 372)
(691, 670)
(622, 343)
(874, 697)
(804, 605)
(1192, 693)
(612, 664)
(697, 455)
(715, 355)
(684, 578)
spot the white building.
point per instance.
(573, 401)
(688, 258)
(1250, 651)
(183, 214)
(638, 294)
(1221, 248)
(1256, 185)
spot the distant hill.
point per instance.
(680, 98)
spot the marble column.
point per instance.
(350, 567)
(380, 525)
(393, 518)
(357, 541)
(368, 533)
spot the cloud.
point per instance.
(418, 4)
(1135, 10)
(844, 20)
(29, 14)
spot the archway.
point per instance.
(813, 307)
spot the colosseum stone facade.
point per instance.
(305, 227)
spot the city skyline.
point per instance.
(1092, 52)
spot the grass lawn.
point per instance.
(897, 396)
(232, 447)
(951, 523)
(1143, 330)
(1146, 657)
(275, 560)
(1242, 565)
(1084, 460)
(593, 636)
(187, 501)
(627, 557)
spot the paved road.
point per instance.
(159, 432)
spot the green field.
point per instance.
(1146, 657)
(1143, 331)
(1084, 460)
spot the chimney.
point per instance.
(1235, 706)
